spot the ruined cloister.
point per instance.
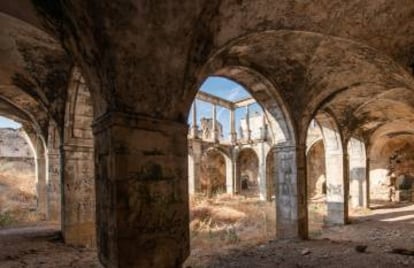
(244, 152)
(107, 96)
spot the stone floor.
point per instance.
(380, 229)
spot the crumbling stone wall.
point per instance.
(213, 173)
(397, 155)
(206, 131)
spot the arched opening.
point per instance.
(326, 189)
(229, 143)
(213, 173)
(248, 179)
(391, 170)
(316, 187)
(19, 191)
(316, 171)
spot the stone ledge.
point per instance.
(136, 121)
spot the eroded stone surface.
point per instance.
(143, 62)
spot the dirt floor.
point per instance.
(18, 195)
(41, 246)
(380, 229)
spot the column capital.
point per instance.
(287, 148)
(76, 147)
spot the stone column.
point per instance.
(358, 186)
(54, 186)
(262, 172)
(335, 165)
(214, 127)
(41, 164)
(335, 187)
(289, 198)
(142, 191)
(236, 171)
(229, 175)
(78, 217)
(302, 191)
(248, 134)
(194, 127)
(41, 172)
(264, 128)
(233, 134)
(194, 166)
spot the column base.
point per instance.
(82, 235)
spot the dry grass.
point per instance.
(18, 199)
(226, 221)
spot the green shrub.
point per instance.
(6, 219)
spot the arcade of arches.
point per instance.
(104, 90)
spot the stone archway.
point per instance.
(316, 171)
(391, 154)
(290, 214)
(248, 172)
(213, 173)
(316, 186)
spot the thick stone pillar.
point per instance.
(367, 176)
(194, 166)
(358, 185)
(288, 196)
(54, 187)
(335, 161)
(41, 172)
(229, 175)
(335, 187)
(78, 217)
(263, 185)
(236, 171)
(302, 192)
(142, 194)
(41, 168)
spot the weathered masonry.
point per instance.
(103, 90)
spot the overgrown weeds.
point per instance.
(227, 221)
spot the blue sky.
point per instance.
(8, 123)
(226, 89)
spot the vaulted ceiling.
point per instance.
(354, 58)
